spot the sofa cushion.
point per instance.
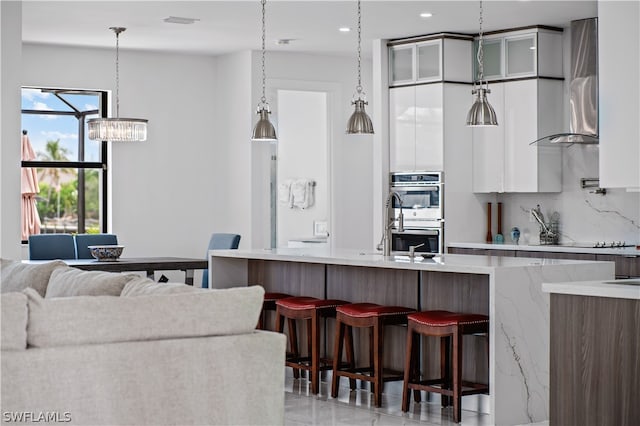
(104, 319)
(147, 287)
(66, 282)
(13, 310)
(16, 276)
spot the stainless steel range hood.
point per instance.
(583, 88)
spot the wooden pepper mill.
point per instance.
(489, 238)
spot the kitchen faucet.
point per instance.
(385, 242)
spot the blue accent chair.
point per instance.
(51, 246)
(220, 242)
(83, 241)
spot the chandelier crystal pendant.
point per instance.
(481, 113)
(359, 122)
(264, 130)
(117, 129)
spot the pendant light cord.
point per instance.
(117, 30)
(480, 50)
(264, 78)
(359, 87)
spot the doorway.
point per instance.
(301, 170)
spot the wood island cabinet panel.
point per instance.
(573, 256)
(296, 279)
(595, 361)
(356, 284)
(468, 293)
(626, 267)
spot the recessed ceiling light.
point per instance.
(344, 29)
(282, 41)
(180, 20)
(426, 15)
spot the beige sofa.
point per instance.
(98, 348)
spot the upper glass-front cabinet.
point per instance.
(438, 58)
(402, 64)
(428, 61)
(521, 58)
(535, 52)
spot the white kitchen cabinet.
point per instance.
(503, 159)
(416, 128)
(619, 86)
(439, 57)
(531, 52)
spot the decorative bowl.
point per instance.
(106, 253)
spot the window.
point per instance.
(70, 168)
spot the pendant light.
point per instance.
(481, 113)
(118, 129)
(359, 122)
(264, 130)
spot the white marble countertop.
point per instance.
(440, 263)
(564, 248)
(620, 289)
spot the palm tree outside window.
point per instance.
(71, 169)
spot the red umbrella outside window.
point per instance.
(29, 181)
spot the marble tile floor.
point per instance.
(355, 408)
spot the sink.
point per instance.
(632, 281)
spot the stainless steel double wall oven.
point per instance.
(422, 196)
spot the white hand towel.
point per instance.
(284, 193)
(299, 193)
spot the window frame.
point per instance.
(79, 165)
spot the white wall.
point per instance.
(10, 73)
(302, 154)
(164, 190)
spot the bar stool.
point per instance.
(311, 310)
(269, 304)
(450, 327)
(374, 317)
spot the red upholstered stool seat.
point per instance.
(450, 327)
(311, 310)
(269, 304)
(374, 317)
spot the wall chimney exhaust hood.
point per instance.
(583, 88)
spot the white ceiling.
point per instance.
(227, 26)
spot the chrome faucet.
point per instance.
(385, 242)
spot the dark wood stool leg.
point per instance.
(378, 342)
(416, 366)
(348, 339)
(445, 368)
(315, 353)
(408, 369)
(293, 342)
(337, 355)
(457, 375)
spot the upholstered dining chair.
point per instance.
(51, 246)
(83, 241)
(220, 241)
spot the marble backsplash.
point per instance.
(585, 216)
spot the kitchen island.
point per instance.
(507, 289)
(595, 353)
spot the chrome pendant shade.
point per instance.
(117, 129)
(481, 113)
(359, 122)
(264, 130)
